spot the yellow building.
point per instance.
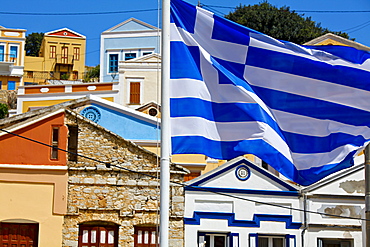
(61, 57)
(12, 43)
(332, 39)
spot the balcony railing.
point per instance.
(64, 59)
(7, 58)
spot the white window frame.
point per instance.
(17, 55)
(112, 52)
(128, 82)
(129, 51)
(321, 244)
(146, 50)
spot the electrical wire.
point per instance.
(109, 165)
(302, 11)
(78, 13)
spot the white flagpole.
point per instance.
(165, 127)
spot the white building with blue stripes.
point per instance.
(242, 204)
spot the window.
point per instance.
(113, 63)
(2, 53)
(29, 74)
(146, 53)
(72, 142)
(264, 240)
(146, 237)
(134, 93)
(13, 53)
(64, 54)
(18, 235)
(334, 242)
(129, 56)
(216, 239)
(75, 75)
(53, 51)
(271, 241)
(76, 53)
(1, 84)
(11, 85)
(54, 143)
(98, 235)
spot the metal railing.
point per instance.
(64, 59)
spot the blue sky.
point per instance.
(92, 25)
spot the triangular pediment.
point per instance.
(131, 25)
(65, 32)
(332, 39)
(242, 175)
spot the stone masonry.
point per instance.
(98, 194)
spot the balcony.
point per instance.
(64, 59)
(7, 63)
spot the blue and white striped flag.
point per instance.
(234, 91)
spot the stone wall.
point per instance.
(117, 196)
(9, 97)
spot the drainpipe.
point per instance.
(304, 218)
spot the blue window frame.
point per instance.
(216, 239)
(129, 56)
(265, 240)
(113, 63)
(13, 53)
(1, 53)
(11, 85)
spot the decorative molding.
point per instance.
(231, 221)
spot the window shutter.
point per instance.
(135, 93)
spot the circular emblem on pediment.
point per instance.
(242, 172)
(91, 113)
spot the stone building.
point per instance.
(107, 195)
(117, 201)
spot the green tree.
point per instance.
(33, 44)
(92, 74)
(3, 110)
(280, 23)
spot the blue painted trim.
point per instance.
(230, 217)
(252, 166)
(237, 174)
(286, 237)
(242, 191)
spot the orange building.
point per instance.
(33, 180)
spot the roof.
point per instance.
(119, 26)
(226, 179)
(32, 117)
(339, 39)
(60, 33)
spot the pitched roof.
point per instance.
(65, 32)
(339, 39)
(119, 27)
(31, 117)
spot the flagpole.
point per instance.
(367, 195)
(165, 127)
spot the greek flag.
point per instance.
(234, 91)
